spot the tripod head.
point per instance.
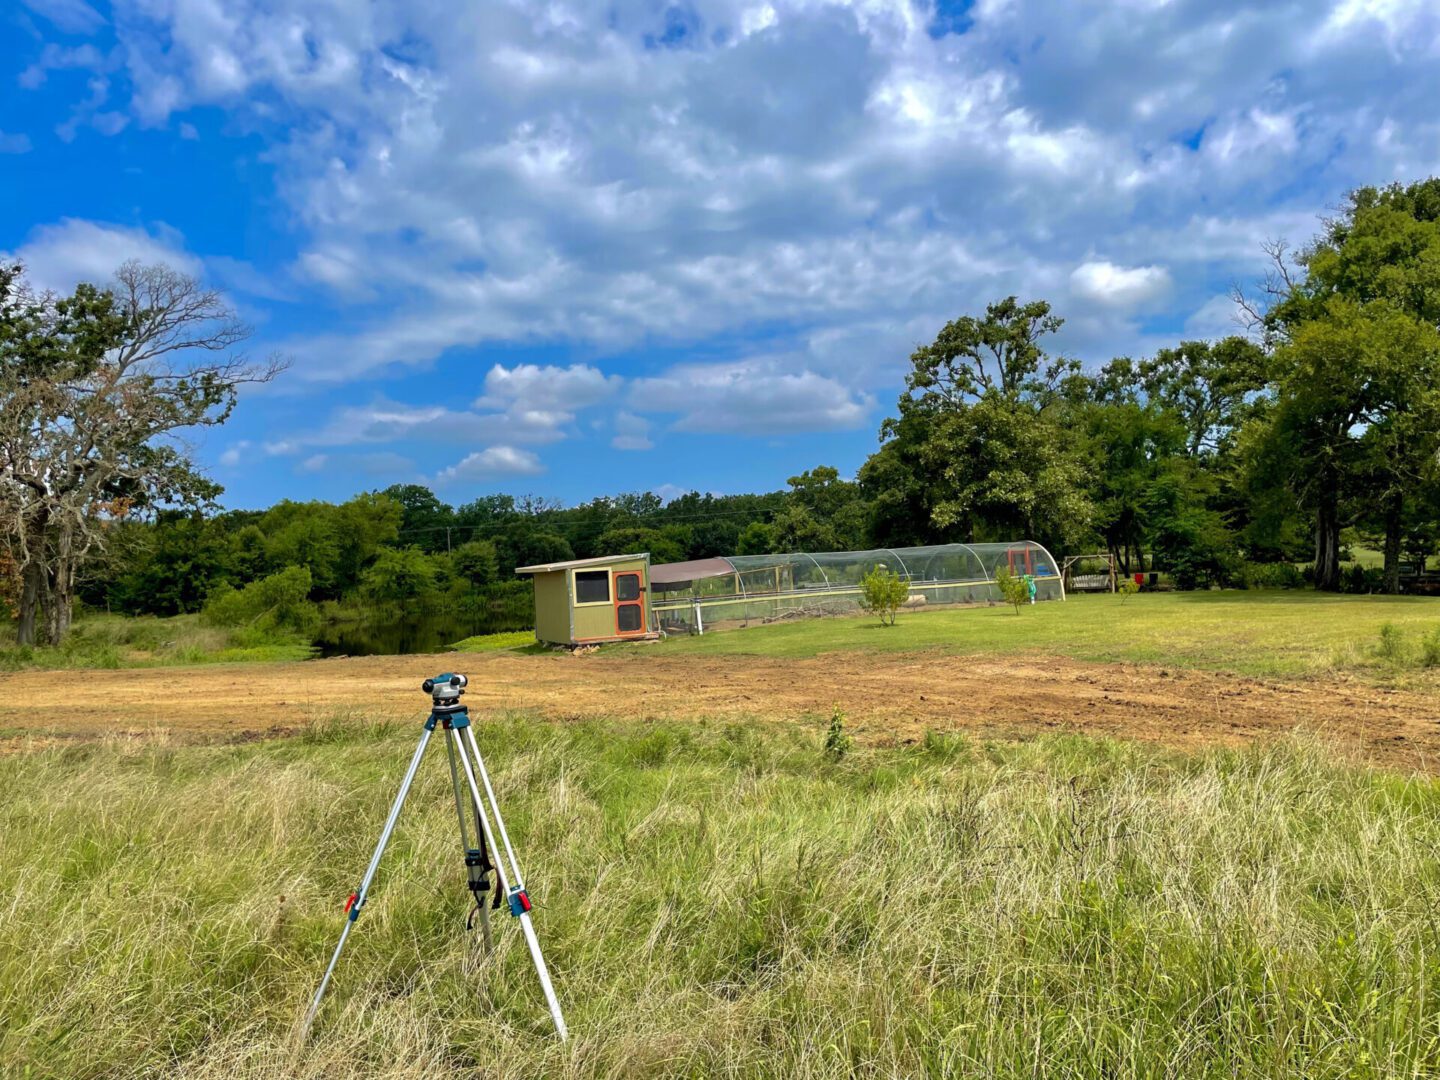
(445, 691)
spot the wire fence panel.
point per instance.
(769, 588)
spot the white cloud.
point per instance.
(17, 143)
(314, 463)
(631, 432)
(70, 16)
(73, 250)
(534, 388)
(606, 175)
(748, 398)
(493, 463)
(1118, 286)
(233, 454)
(1217, 317)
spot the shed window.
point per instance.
(627, 618)
(592, 586)
(627, 586)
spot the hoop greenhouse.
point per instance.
(689, 597)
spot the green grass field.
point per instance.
(1252, 633)
(119, 641)
(724, 901)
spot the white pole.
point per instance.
(513, 881)
(360, 894)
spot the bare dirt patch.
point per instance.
(888, 698)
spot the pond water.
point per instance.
(424, 631)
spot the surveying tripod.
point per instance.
(447, 712)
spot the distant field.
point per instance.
(1251, 633)
(723, 900)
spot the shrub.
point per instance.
(398, 575)
(1430, 649)
(837, 741)
(1280, 575)
(1014, 589)
(1392, 643)
(476, 562)
(280, 601)
(882, 591)
(1357, 579)
(1127, 588)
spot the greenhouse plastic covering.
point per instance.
(740, 589)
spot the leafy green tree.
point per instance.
(1356, 356)
(179, 560)
(1013, 588)
(980, 447)
(1128, 447)
(997, 354)
(399, 575)
(278, 600)
(247, 553)
(757, 538)
(305, 534)
(882, 592)
(1355, 397)
(823, 513)
(662, 544)
(485, 512)
(476, 562)
(526, 544)
(93, 389)
(423, 517)
(362, 526)
(1212, 387)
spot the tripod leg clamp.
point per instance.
(519, 902)
(352, 906)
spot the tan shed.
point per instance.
(584, 601)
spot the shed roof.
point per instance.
(579, 564)
(675, 573)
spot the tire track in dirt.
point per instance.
(888, 698)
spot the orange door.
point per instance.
(629, 604)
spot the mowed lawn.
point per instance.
(1252, 633)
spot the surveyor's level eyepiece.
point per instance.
(443, 684)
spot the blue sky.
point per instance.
(581, 248)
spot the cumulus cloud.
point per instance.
(631, 432)
(1119, 286)
(234, 454)
(534, 388)
(528, 403)
(492, 463)
(609, 175)
(748, 398)
(73, 250)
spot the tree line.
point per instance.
(1316, 425)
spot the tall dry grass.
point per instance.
(723, 900)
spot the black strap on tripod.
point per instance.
(478, 869)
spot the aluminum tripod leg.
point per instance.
(358, 900)
(452, 746)
(510, 879)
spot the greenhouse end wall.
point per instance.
(766, 588)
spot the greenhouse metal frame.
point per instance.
(690, 597)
